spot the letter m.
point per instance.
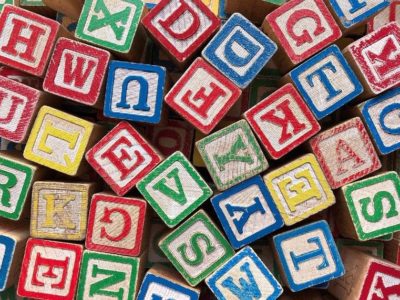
(102, 287)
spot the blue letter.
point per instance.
(143, 93)
(356, 5)
(310, 255)
(247, 45)
(387, 110)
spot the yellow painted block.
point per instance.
(299, 189)
(213, 5)
(58, 140)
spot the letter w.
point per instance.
(77, 76)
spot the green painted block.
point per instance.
(374, 248)
(174, 189)
(196, 248)
(108, 276)
(374, 205)
(277, 2)
(110, 24)
(4, 2)
(31, 3)
(232, 155)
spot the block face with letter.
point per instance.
(239, 50)
(122, 158)
(326, 81)
(174, 189)
(345, 153)
(308, 256)
(282, 121)
(232, 155)
(181, 27)
(134, 92)
(50, 270)
(299, 189)
(116, 225)
(201, 262)
(76, 71)
(202, 96)
(385, 16)
(247, 212)
(248, 271)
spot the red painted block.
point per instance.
(389, 14)
(50, 270)
(181, 27)
(21, 77)
(202, 95)
(76, 71)
(122, 158)
(26, 39)
(117, 225)
(282, 121)
(345, 153)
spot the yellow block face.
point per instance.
(213, 5)
(299, 189)
(58, 140)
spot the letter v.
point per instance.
(179, 195)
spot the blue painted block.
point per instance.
(382, 116)
(156, 287)
(326, 82)
(134, 92)
(308, 256)
(247, 212)
(351, 12)
(7, 248)
(239, 50)
(244, 277)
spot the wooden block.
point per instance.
(392, 251)
(195, 262)
(71, 8)
(181, 27)
(4, 2)
(174, 189)
(247, 270)
(213, 5)
(36, 6)
(21, 77)
(157, 230)
(50, 270)
(109, 276)
(308, 256)
(254, 10)
(345, 153)
(326, 82)
(160, 282)
(122, 158)
(77, 72)
(299, 189)
(232, 155)
(59, 140)
(117, 225)
(27, 39)
(59, 210)
(301, 29)
(366, 277)
(239, 50)
(389, 14)
(202, 96)
(134, 92)
(370, 208)
(196, 157)
(247, 212)
(374, 59)
(374, 248)
(282, 121)
(67, 22)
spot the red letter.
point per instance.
(107, 219)
(387, 292)
(341, 147)
(386, 61)
(10, 115)
(51, 264)
(78, 75)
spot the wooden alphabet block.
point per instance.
(247, 212)
(299, 189)
(59, 140)
(108, 276)
(282, 121)
(326, 82)
(308, 256)
(390, 14)
(181, 27)
(366, 277)
(27, 39)
(21, 77)
(232, 155)
(4, 2)
(202, 96)
(50, 270)
(59, 210)
(392, 251)
(195, 262)
(134, 92)
(122, 158)
(345, 153)
(174, 189)
(374, 57)
(213, 5)
(71, 8)
(372, 247)
(370, 207)
(76, 71)
(247, 270)
(160, 282)
(239, 50)
(117, 225)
